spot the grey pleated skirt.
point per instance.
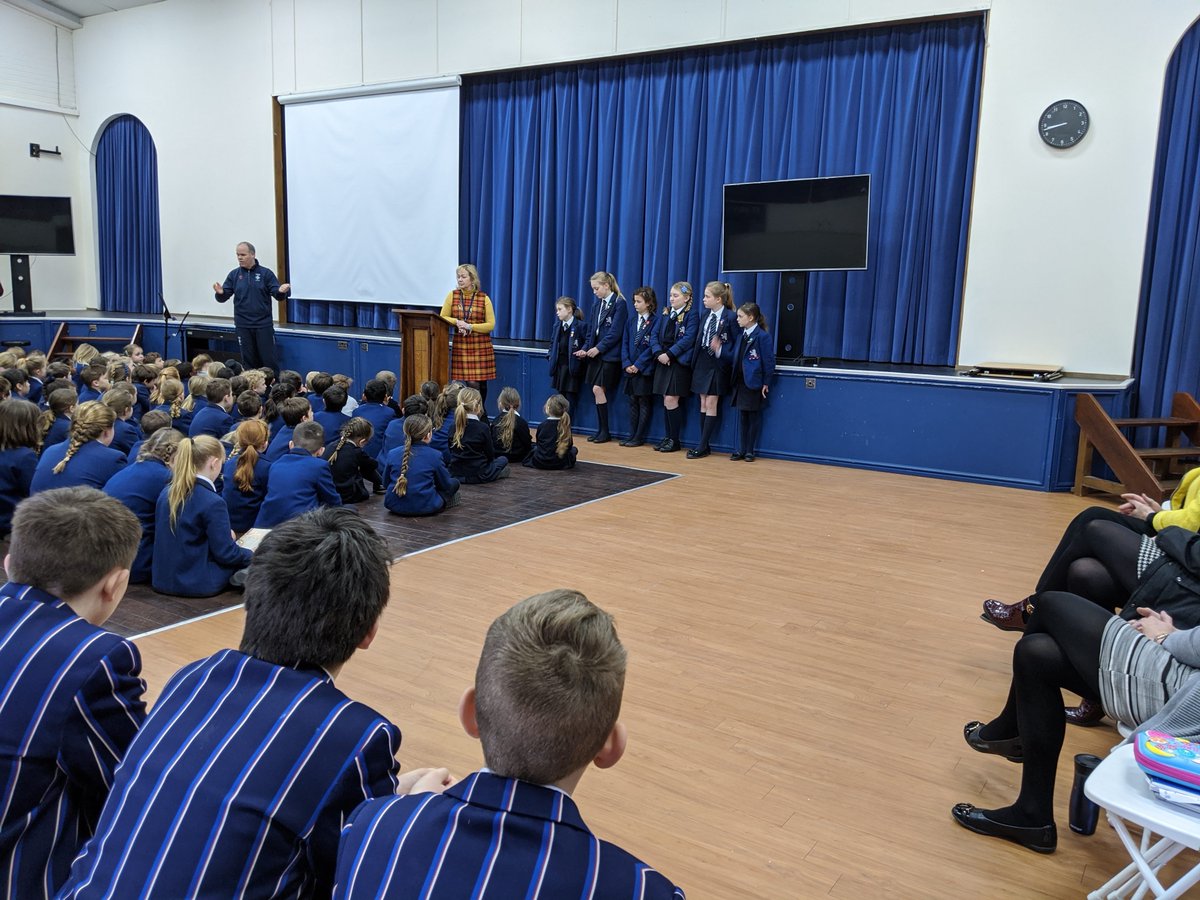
(1137, 676)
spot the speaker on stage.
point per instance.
(793, 305)
(22, 295)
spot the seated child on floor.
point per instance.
(299, 480)
(544, 706)
(349, 464)
(20, 438)
(331, 417)
(73, 698)
(292, 412)
(139, 486)
(419, 484)
(394, 436)
(553, 447)
(126, 432)
(510, 431)
(473, 457)
(244, 478)
(194, 551)
(85, 457)
(214, 419)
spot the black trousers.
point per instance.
(258, 347)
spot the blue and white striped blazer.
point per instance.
(238, 785)
(70, 703)
(487, 837)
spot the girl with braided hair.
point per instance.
(170, 401)
(85, 458)
(349, 465)
(419, 484)
(138, 486)
(245, 474)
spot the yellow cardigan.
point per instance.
(1185, 505)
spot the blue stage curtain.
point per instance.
(1167, 349)
(127, 218)
(619, 165)
(343, 314)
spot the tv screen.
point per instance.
(39, 225)
(803, 224)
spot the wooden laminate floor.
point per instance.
(804, 648)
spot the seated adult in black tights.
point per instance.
(1070, 642)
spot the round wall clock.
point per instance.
(1064, 123)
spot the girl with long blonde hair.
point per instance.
(553, 448)
(418, 482)
(473, 457)
(85, 458)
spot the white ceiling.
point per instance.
(67, 13)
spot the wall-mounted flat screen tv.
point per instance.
(802, 224)
(36, 225)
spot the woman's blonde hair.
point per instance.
(509, 402)
(470, 269)
(558, 407)
(416, 427)
(469, 401)
(249, 436)
(190, 458)
(356, 428)
(90, 421)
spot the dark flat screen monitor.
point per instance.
(803, 224)
(36, 225)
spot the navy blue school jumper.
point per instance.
(332, 422)
(545, 448)
(430, 484)
(17, 466)
(522, 442)
(605, 332)
(351, 467)
(476, 462)
(315, 401)
(440, 439)
(138, 486)
(197, 558)
(243, 507)
(92, 465)
(212, 420)
(238, 785)
(142, 405)
(676, 337)
(566, 369)
(126, 433)
(393, 437)
(753, 367)
(59, 431)
(182, 422)
(273, 427)
(35, 391)
(710, 372)
(297, 482)
(88, 393)
(279, 444)
(71, 704)
(487, 836)
(637, 349)
(380, 416)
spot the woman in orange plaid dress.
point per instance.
(469, 310)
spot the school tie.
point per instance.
(710, 327)
(565, 326)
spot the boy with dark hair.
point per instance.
(151, 422)
(214, 419)
(299, 480)
(292, 412)
(249, 406)
(331, 416)
(94, 382)
(375, 410)
(318, 383)
(252, 758)
(73, 699)
(143, 378)
(545, 704)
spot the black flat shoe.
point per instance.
(1009, 749)
(658, 447)
(670, 447)
(635, 443)
(737, 456)
(1043, 839)
(592, 438)
(600, 438)
(698, 454)
(749, 457)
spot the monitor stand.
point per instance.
(21, 292)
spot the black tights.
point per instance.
(1097, 557)
(1060, 649)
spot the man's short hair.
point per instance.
(293, 410)
(335, 398)
(375, 391)
(548, 686)
(344, 592)
(249, 246)
(66, 539)
(217, 390)
(309, 436)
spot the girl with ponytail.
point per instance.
(245, 474)
(138, 486)
(55, 422)
(85, 458)
(194, 551)
(606, 331)
(674, 347)
(418, 482)
(553, 447)
(473, 457)
(170, 396)
(713, 359)
(510, 432)
(349, 465)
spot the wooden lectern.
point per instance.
(424, 349)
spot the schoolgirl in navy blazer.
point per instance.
(429, 482)
(570, 335)
(92, 464)
(139, 486)
(607, 326)
(244, 505)
(637, 348)
(19, 434)
(676, 336)
(755, 358)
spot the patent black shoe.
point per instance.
(1010, 749)
(1040, 839)
(661, 444)
(737, 456)
(698, 454)
(669, 446)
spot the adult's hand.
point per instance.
(217, 289)
(285, 288)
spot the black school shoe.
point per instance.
(1040, 839)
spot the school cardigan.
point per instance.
(243, 507)
(297, 482)
(138, 486)
(351, 467)
(196, 558)
(476, 452)
(71, 704)
(92, 465)
(486, 836)
(522, 442)
(212, 420)
(428, 478)
(238, 785)
(17, 466)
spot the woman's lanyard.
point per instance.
(462, 304)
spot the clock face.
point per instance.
(1064, 123)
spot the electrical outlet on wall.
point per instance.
(810, 383)
(343, 345)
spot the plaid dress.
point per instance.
(471, 357)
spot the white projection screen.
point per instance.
(372, 196)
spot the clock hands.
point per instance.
(1052, 127)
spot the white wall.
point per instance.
(1056, 236)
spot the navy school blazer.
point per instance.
(608, 328)
(756, 365)
(244, 507)
(638, 345)
(197, 558)
(676, 336)
(297, 482)
(138, 486)
(92, 465)
(180, 424)
(577, 339)
(212, 420)
(380, 416)
(428, 479)
(727, 331)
